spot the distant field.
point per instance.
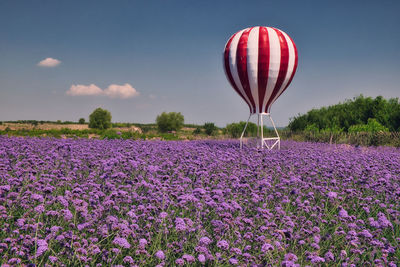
(54, 126)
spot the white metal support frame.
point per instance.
(268, 142)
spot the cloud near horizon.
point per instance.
(49, 62)
(112, 91)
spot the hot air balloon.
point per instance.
(260, 63)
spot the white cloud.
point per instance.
(49, 62)
(121, 91)
(80, 89)
(112, 91)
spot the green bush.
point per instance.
(171, 121)
(235, 129)
(100, 119)
(373, 126)
(197, 131)
(351, 112)
(110, 134)
(209, 128)
(81, 121)
(313, 128)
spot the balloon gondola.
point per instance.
(260, 63)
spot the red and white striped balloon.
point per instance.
(260, 63)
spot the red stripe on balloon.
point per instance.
(282, 69)
(294, 67)
(263, 64)
(241, 61)
(228, 70)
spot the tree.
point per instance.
(100, 119)
(81, 121)
(209, 128)
(172, 121)
(352, 112)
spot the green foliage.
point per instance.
(312, 128)
(172, 121)
(100, 119)
(372, 126)
(209, 128)
(1, 123)
(110, 134)
(81, 121)
(342, 116)
(235, 129)
(197, 131)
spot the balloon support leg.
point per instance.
(267, 142)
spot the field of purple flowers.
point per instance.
(126, 203)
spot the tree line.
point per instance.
(355, 115)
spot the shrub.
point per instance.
(197, 130)
(373, 126)
(81, 121)
(313, 128)
(171, 121)
(235, 129)
(110, 134)
(209, 128)
(100, 119)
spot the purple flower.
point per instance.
(329, 256)
(180, 224)
(343, 213)
(365, 233)
(223, 245)
(37, 197)
(163, 215)
(290, 257)
(160, 255)
(180, 262)
(142, 243)
(205, 241)
(188, 258)
(128, 259)
(201, 258)
(332, 195)
(317, 259)
(233, 261)
(343, 254)
(67, 215)
(121, 242)
(383, 221)
(267, 247)
(39, 208)
(20, 222)
(41, 247)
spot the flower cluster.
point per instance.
(134, 203)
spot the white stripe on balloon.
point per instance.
(233, 65)
(290, 69)
(252, 64)
(274, 64)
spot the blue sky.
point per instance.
(170, 55)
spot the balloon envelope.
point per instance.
(260, 63)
